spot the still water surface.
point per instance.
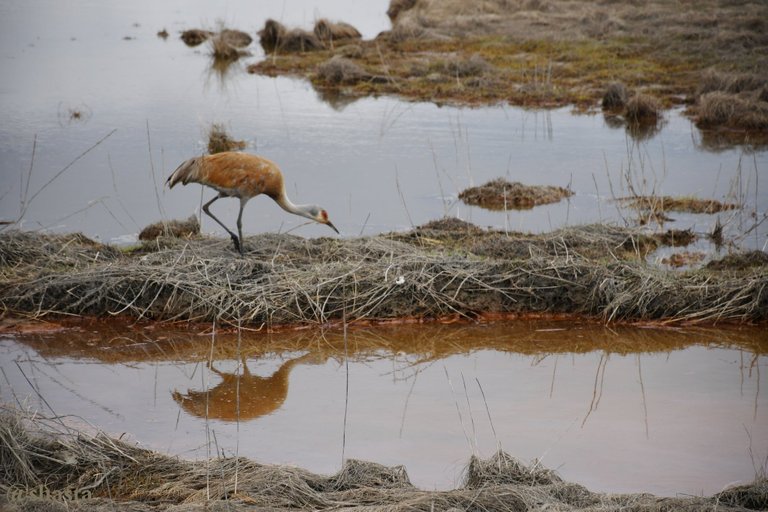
(663, 411)
(616, 409)
(376, 164)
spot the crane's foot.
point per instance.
(238, 246)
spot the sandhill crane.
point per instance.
(244, 176)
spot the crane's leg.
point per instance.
(234, 236)
(240, 221)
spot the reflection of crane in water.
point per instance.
(243, 176)
(259, 396)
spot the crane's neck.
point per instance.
(297, 209)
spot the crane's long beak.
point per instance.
(333, 227)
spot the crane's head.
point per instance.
(320, 215)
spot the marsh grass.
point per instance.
(428, 273)
(39, 451)
(576, 50)
(219, 140)
(276, 38)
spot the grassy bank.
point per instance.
(47, 465)
(446, 268)
(551, 53)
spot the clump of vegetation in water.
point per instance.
(195, 36)
(176, 228)
(500, 194)
(219, 140)
(732, 100)
(275, 37)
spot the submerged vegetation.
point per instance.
(41, 453)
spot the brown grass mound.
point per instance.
(500, 194)
(176, 228)
(595, 271)
(662, 204)
(740, 261)
(195, 36)
(398, 6)
(677, 237)
(236, 38)
(731, 83)
(615, 96)
(219, 140)
(341, 70)
(733, 100)
(723, 109)
(475, 65)
(328, 31)
(274, 37)
(643, 109)
(40, 453)
(223, 52)
(27, 247)
(683, 259)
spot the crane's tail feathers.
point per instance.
(184, 173)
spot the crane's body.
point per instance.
(244, 176)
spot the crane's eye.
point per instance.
(324, 215)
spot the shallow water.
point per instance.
(619, 409)
(376, 164)
(663, 411)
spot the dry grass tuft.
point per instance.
(722, 109)
(219, 140)
(223, 52)
(732, 83)
(175, 228)
(615, 97)
(340, 70)
(663, 204)
(475, 65)
(274, 37)
(195, 36)
(329, 32)
(398, 6)
(732, 100)
(683, 259)
(38, 451)
(740, 261)
(676, 237)
(236, 38)
(643, 109)
(499, 194)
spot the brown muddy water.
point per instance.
(622, 409)
(73, 72)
